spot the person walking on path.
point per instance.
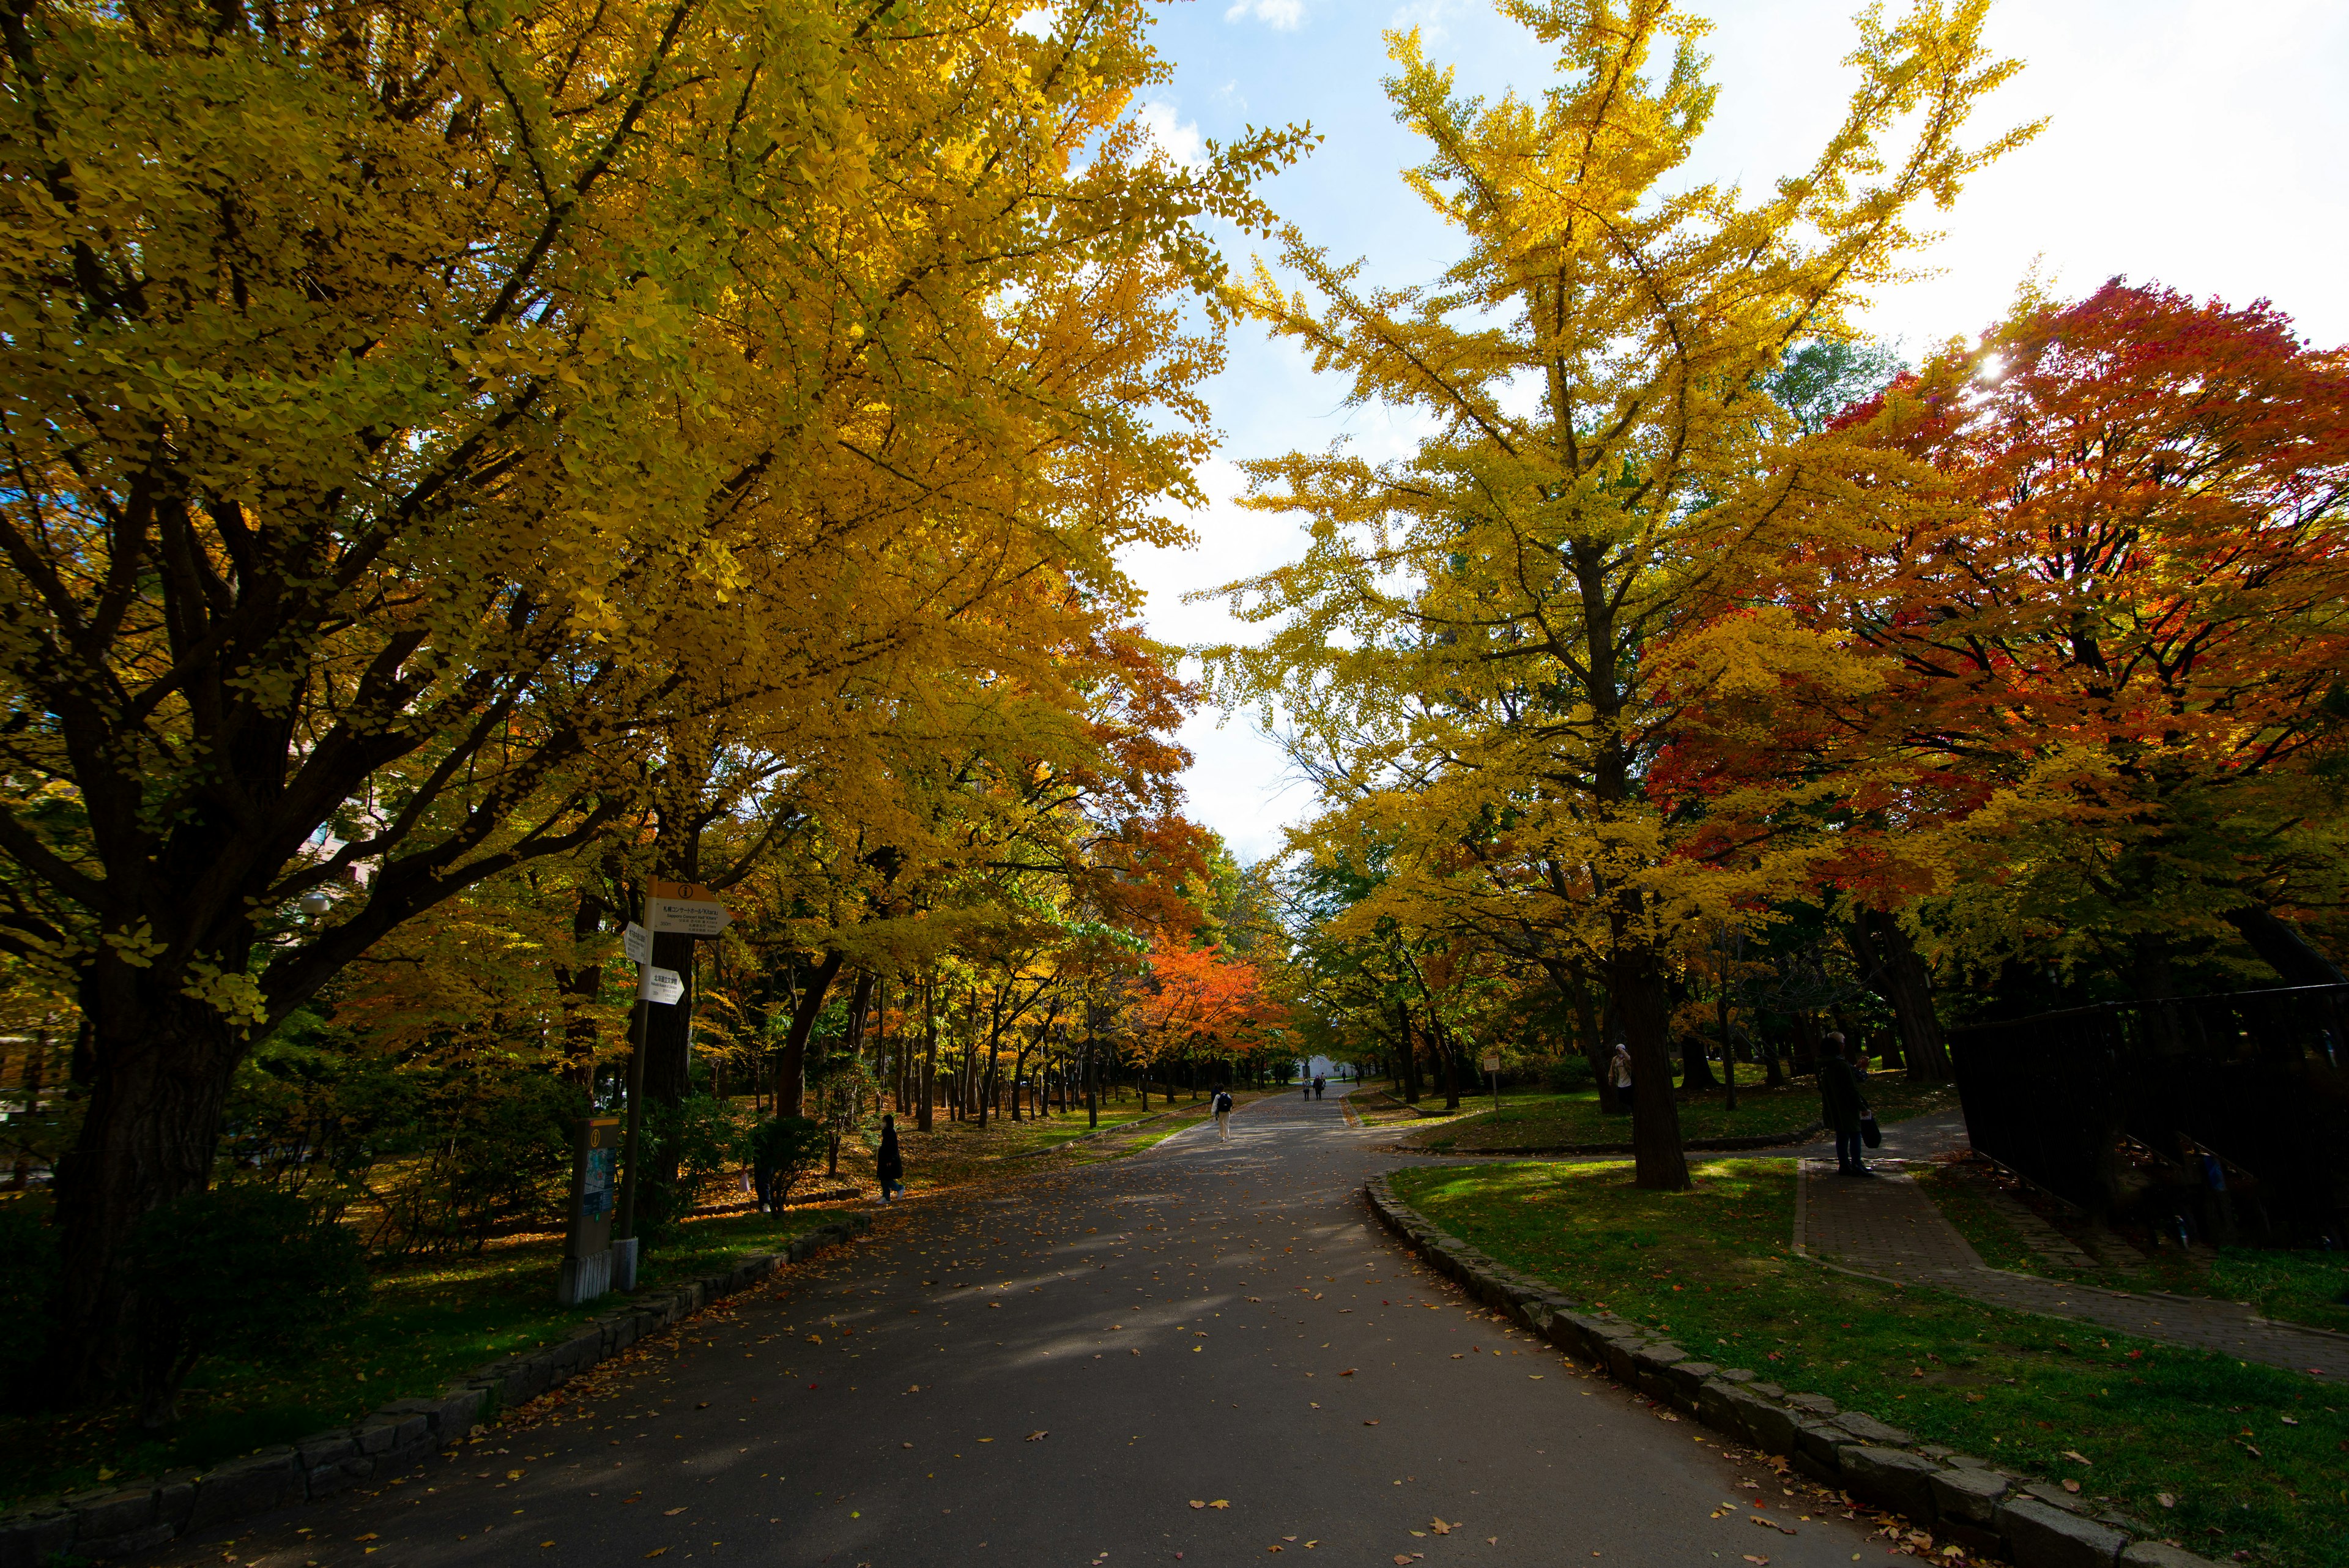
(1843, 1103)
(1619, 1069)
(1317, 1085)
(888, 1164)
(1224, 1115)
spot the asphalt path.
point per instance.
(1206, 1353)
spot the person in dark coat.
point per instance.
(888, 1164)
(1842, 1104)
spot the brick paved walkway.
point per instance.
(1889, 1228)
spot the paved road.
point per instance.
(1209, 1323)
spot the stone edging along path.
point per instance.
(118, 1520)
(1702, 1145)
(2027, 1523)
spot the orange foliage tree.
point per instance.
(2086, 587)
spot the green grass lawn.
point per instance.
(424, 1326)
(2252, 1456)
(2292, 1285)
(1545, 1120)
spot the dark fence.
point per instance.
(2208, 1112)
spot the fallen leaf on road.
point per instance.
(905, 1445)
(370, 1535)
(1198, 1502)
(1535, 1376)
(811, 1339)
(1458, 1355)
(1219, 1502)
(514, 1475)
(1763, 1561)
(995, 1304)
(671, 1512)
(1421, 1533)
(1370, 1423)
(2071, 1485)
(1030, 1438)
(1403, 1557)
(1349, 1372)
(1438, 1526)
(656, 1551)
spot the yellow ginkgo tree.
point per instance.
(1468, 648)
(411, 413)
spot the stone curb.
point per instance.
(1795, 1138)
(116, 1522)
(1962, 1499)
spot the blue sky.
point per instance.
(2203, 144)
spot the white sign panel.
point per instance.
(1492, 1061)
(661, 985)
(638, 943)
(691, 917)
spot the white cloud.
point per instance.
(1039, 22)
(1178, 139)
(1287, 15)
(1427, 15)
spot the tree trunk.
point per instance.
(1448, 1048)
(1806, 1043)
(159, 1067)
(790, 1087)
(1898, 974)
(1635, 989)
(579, 988)
(1593, 1039)
(1728, 1044)
(929, 1061)
(1410, 1053)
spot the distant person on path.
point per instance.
(1619, 1070)
(1305, 1087)
(1224, 1115)
(888, 1164)
(1842, 1103)
(1317, 1085)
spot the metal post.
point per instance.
(623, 1245)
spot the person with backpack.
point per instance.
(888, 1164)
(1224, 1115)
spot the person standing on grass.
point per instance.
(1224, 1115)
(1843, 1103)
(888, 1164)
(1619, 1069)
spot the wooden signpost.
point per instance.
(682, 908)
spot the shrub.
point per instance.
(242, 1270)
(28, 1276)
(489, 1152)
(781, 1151)
(1568, 1074)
